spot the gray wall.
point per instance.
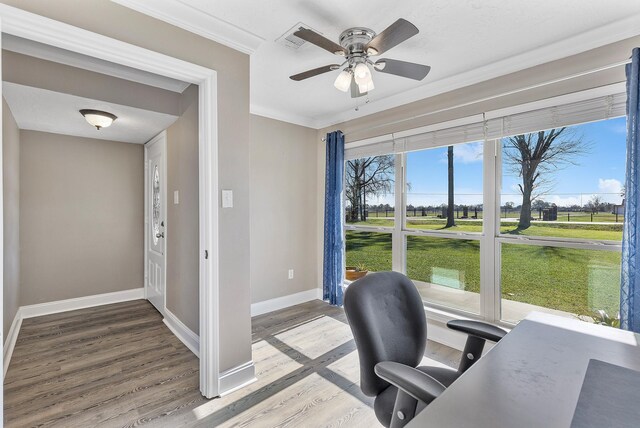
(113, 20)
(283, 215)
(11, 219)
(182, 219)
(81, 217)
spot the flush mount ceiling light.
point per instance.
(356, 46)
(97, 118)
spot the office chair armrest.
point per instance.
(417, 384)
(479, 329)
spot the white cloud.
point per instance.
(609, 185)
(465, 153)
(468, 153)
(609, 190)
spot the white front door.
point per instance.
(155, 221)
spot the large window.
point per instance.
(444, 198)
(562, 189)
(497, 218)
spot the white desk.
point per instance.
(532, 377)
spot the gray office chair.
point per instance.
(387, 318)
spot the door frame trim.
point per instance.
(48, 31)
(162, 138)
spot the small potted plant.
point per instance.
(356, 272)
(603, 318)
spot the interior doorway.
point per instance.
(63, 36)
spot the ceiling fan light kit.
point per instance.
(343, 81)
(357, 45)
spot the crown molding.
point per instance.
(283, 116)
(592, 39)
(196, 21)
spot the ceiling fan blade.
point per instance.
(320, 41)
(402, 68)
(310, 73)
(395, 34)
(355, 90)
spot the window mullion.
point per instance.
(489, 287)
(398, 241)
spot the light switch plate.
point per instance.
(176, 197)
(227, 199)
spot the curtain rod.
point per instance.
(504, 94)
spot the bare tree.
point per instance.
(371, 176)
(450, 201)
(534, 157)
(595, 204)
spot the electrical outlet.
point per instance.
(290, 273)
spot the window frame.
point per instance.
(491, 239)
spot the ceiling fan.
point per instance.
(356, 46)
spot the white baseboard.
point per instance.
(10, 340)
(278, 303)
(182, 332)
(48, 308)
(30, 311)
(237, 377)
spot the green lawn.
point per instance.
(576, 281)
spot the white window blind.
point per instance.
(591, 110)
(497, 124)
(442, 137)
(366, 150)
(442, 134)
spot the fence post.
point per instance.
(568, 218)
(592, 217)
(616, 215)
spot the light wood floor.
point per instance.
(119, 366)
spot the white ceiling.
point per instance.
(47, 111)
(464, 41)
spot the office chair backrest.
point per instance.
(386, 316)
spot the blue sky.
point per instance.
(600, 171)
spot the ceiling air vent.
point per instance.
(289, 40)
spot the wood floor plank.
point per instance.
(119, 366)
